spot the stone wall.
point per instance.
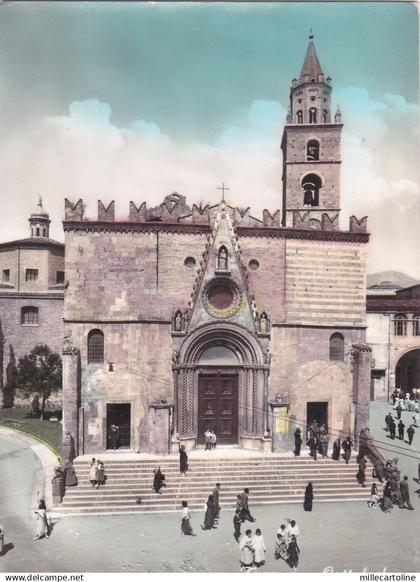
(325, 283)
(141, 275)
(142, 374)
(302, 372)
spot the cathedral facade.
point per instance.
(183, 318)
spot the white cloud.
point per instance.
(84, 154)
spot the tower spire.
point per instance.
(311, 69)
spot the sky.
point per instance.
(135, 101)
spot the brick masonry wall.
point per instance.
(24, 338)
(56, 263)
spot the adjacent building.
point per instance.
(31, 291)
(393, 333)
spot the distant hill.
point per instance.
(393, 276)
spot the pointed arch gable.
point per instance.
(234, 336)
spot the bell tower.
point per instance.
(311, 150)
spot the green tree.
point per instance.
(40, 372)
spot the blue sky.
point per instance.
(133, 101)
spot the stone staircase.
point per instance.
(271, 479)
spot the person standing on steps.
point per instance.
(114, 436)
(336, 449)
(237, 525)
(309, 497)
(207, 443)
(100, 474)
(215, 494)
(298, 442)
(399, 410)
(401, 427)
(92, 472)
(183, 460)
(185, 522)
(313, 447)
(347, 446)
(213, 439)
(361, 474)
(323, 439)
(158, 480)
(410, 433)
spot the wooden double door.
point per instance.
(218, 407)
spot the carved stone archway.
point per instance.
(252, 376)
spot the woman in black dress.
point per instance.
(158, 480)
(309, 496)
(293, 551)
(336, 449)
(183, 460)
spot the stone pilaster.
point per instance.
(362, 355)
(71, 383)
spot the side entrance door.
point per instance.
(218, 407)
(120, 415)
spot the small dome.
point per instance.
(40, 212)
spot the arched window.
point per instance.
(95, 347)
(44, 230)
(299, 116)
(311, 184)
(29, 315)
(37, 231)
(312, 115)
(325, 116)
(222, 259)
(400, 324)
(416, 325)
(312, 150)
(337, 347)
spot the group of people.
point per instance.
(391, 496)
(253, 549)
(97, 473)
(286, 543)
(210, 440)
(391, 427)
(318, 443)
(405, 402)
